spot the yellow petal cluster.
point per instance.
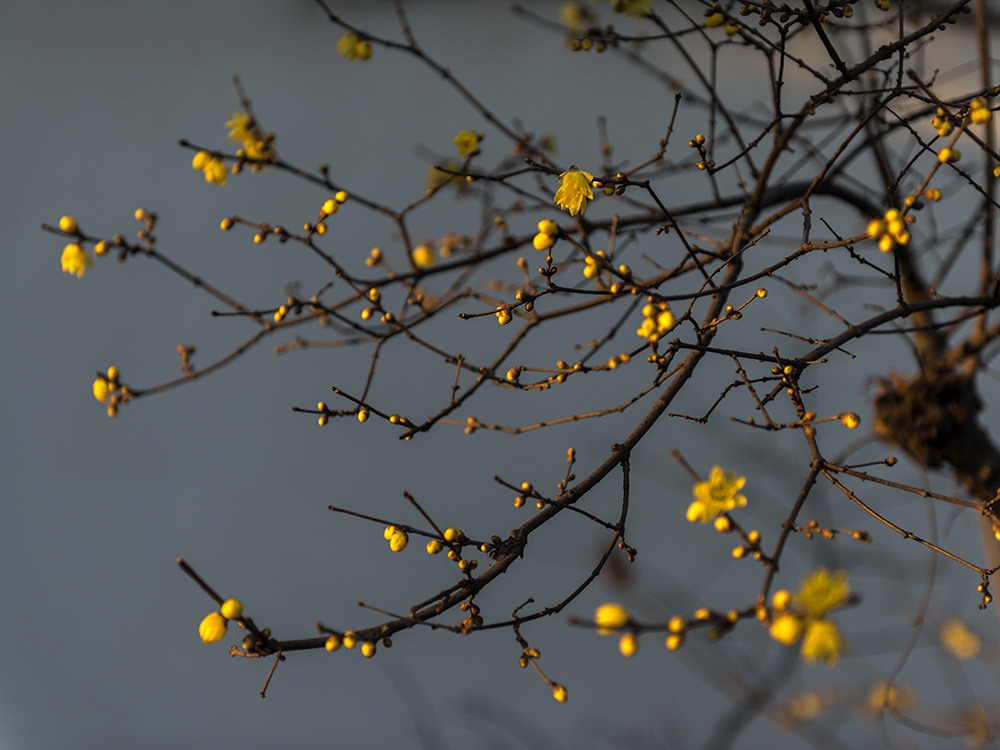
(75, 260)
(574, 191)
(467, 142)
(718, 495)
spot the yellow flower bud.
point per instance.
(212, 628)
(232, 609)
(610, 617)
(398, 541)
(68, 225)
(332, 643)
(559, 693)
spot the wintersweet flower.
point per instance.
(823, 642)
(354, 47)
(574, 191)
(213, 167)
(232, 609)
(821, 592)
(212, 628)
(959, 640)
(75, 260)
(467, 142)
(716, 496)
(239, 127)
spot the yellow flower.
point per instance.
(574, 191)
(239, 127)
(610, 617)
(68, 225)
(716, 496)
(787, 629)
(354, 47)
(467, 142)
(821, 592)
(714, 20)
(75, 260)
(959, 640)
(232, 609)
(559, 693)
(214, 168)
(823, 642)
(212, 628)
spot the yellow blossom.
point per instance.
(959, 640)
(714, 20)
(75, 260)
(68, 225)
(716, 496)
(213, 167)
(821, 592)
(212, 628)
(232, 609)
(610, 617)
(239, 127)
(559, 693)
(467, 142)
(353, 47)
(574, 191)
(823, 642)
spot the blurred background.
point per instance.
(101, 626)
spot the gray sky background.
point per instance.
(100, 625)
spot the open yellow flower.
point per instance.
(467, 142)
(716, 496)
(75, 260)
(822, 591)
(574, 191)
(823, 642)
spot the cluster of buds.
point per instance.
(108, 390)
(890, 230)
(354, 47)
(714, 18)
(397, 538)
(593, 265)
(698, 143)
(548, 231)
(657, 322)
(329, 208)
(213, 627)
